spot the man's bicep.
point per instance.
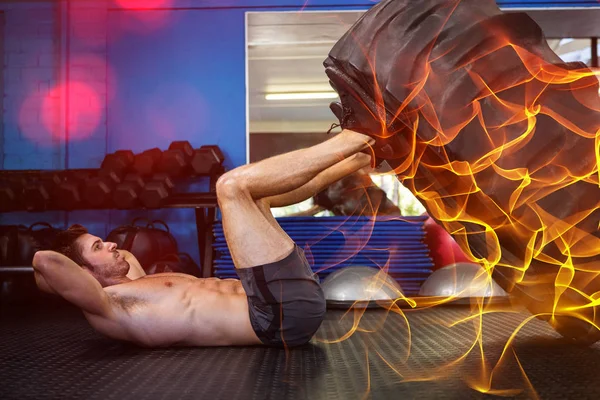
(87, 294)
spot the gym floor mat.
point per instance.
(50, 352)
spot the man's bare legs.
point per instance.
(246, 194)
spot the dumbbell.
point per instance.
(176, 160)
(97, 191)
(11, 191)
(126, 194)
(68, 194)
(145, 163)
(118, 162)
(8, 197)
(207, 160)
(37, 192)
(156, 190)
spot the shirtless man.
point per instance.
(278, 300)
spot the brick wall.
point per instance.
(47, 124)
(31, 55)
(86, 68)
(47, 44)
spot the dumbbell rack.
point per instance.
(204, 203)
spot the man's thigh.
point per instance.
(253, 235)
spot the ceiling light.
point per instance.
(301, 95)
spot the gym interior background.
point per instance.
(144, 73)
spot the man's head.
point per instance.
(100, 259)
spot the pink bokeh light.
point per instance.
(143, 4)
(40, 116)
(150, 15)
(95, 71)
(85, 109)
(87, 26)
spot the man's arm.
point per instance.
(42, 284)
(73, 283)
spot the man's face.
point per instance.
(105, 262)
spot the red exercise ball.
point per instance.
(443, 249)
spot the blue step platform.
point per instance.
(331, 243)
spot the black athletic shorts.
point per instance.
(286, 302)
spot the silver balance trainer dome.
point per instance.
(461, 280)
(360, 284)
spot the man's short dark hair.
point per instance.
(65, 243)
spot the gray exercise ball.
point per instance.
(461, 280)
(359, 283)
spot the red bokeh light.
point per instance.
(40, 116)
(95, 72)
(87, 26)
(143, 4)
(85, 108)
(151, 15)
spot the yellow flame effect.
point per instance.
(537, 228)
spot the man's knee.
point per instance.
(231, 185)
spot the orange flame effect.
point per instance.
(567, 289)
